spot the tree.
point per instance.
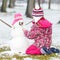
(4, 6)
(49, 4)
(30, 6)
(11, 3)
(58, 22)
(39, 1)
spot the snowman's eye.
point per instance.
(20, 23)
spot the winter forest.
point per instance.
(29, 30)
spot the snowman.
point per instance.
(19, 43)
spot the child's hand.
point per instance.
(23, 29)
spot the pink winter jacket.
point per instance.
(41, 36)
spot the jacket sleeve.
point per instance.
(30, 34)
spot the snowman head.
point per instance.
(37, 13)
(18, 20)
(17, 25)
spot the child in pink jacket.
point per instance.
(41, 33)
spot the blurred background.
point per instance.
(8, 8)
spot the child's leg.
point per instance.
(33, 50)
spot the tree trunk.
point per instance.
(30, 5)
(4, 6)
(58, 22)
(34, 3)
(11, 3)
(39, 1)
(14, 2)
(49, 4)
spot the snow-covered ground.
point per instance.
(53, 15)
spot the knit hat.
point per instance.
(43, 23)
(17, 17)
(37, 12)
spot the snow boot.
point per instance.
(48, 51)
(54, 50)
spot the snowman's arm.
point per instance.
(30, 34)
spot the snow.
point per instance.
(53, 15)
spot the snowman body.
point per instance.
(19, 43)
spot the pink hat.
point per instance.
(37, 12)
(17, 17)
(44, 23)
